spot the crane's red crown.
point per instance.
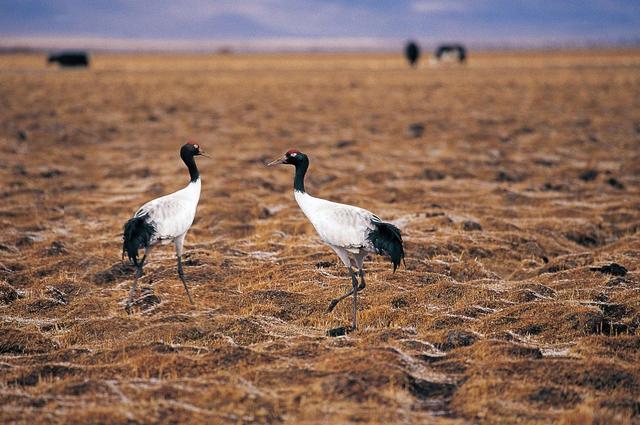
(191, 142)
(293, 151)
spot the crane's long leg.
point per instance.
(344, 256)
(355, 300)
(356, 288)
(134, 285)
(355, 292)
(184, 282)
(179, 241)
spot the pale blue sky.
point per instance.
(493, 21)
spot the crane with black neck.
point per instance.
(164, 220)
(351, 232)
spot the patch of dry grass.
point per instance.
(524, 177)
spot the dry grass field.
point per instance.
(511, 179)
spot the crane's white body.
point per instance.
(352, 232)
(172, 215)
(344, 228)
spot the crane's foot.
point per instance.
(144, 303)
(332, 305)
(186, 288)
(184, 282)
(134, 286)
(335, 301)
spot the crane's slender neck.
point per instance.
(190, 162)
(301, 170)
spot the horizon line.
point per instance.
(293, 44)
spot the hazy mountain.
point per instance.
(360, 21)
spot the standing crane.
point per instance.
(164, 220)
(351, 232)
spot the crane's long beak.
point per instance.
(203, 153)
(280, 160)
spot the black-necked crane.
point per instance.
(351, 232)
(164, 220)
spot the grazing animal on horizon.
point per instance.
(79, 59)
(164, 220)
(412, 52)
(351, 232)
(456, 51)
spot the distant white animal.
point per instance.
(449, 53)
(351, 232)
(164, 220)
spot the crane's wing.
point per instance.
(171, 216)
(344, 226)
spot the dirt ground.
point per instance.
(511, 178)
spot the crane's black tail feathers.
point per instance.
(387, 240)
(137, 234)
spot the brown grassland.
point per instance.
(510, 177)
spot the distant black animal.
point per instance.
(445, 50)
(412, 52)
(70, 59)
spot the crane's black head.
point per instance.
(292, 157)
(187, 152)
(191, 149)
(300, 161)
